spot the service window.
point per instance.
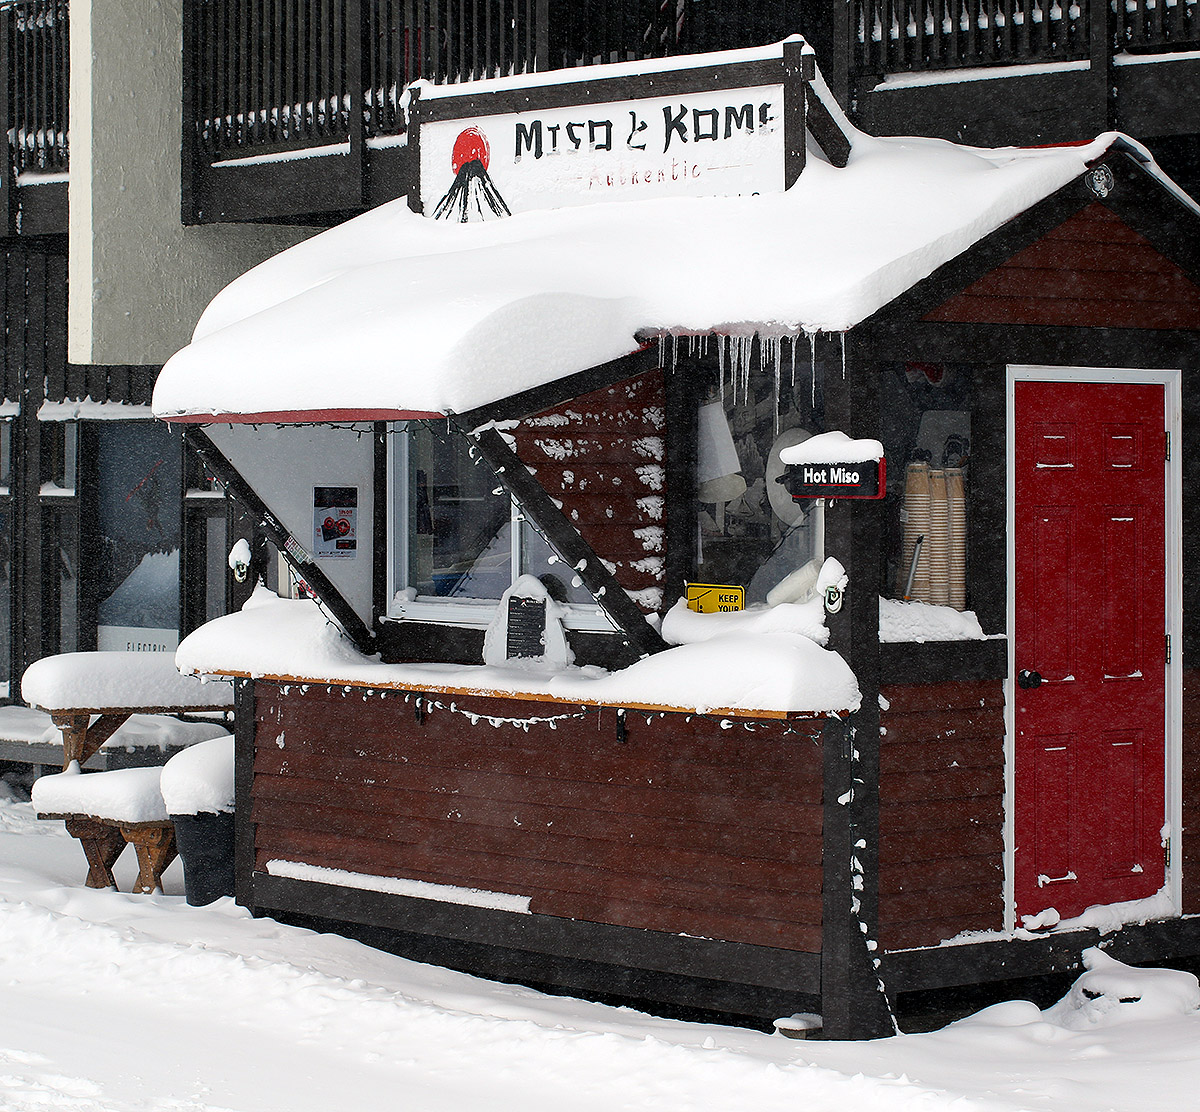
(750, 532)
(458, 540)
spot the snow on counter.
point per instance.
(99, 680)
(901, 621)
(777, 672)
(125, 794)
(200, 779)
(682, 626)
(494, 308)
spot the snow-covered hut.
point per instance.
(500, 447)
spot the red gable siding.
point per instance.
(602, 457)
(1093, 270)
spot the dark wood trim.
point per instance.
(683, 399)
(1153, 211)
(1028, 344)
(8, 178)
(588, 90)
(943, 661)
(640, 636)
(738, 962)
(416, 110)
(798, 69)
(380, 554)
(1007, 959)
(291, 550)
(244, 729)
(561, 390)
(823, 127)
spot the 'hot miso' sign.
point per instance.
(866, 479)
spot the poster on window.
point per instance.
(335, 522)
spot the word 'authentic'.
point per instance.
(680, 125)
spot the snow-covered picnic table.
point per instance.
(91, 695)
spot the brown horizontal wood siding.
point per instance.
(602, 456)
(941, 797)
(1191, 792)
(689, 824)
(1093, 270)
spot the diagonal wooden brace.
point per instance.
(155, 849)
(102, 845)
(81, 742)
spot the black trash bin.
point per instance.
(205, 844)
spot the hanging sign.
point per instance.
(335, 522)
(720, 126)
(865, 479)
(714, 598)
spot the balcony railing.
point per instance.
(894, 36)
(36, 51)
(279, 74)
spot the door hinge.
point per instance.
(1167, 852)
(1168, 648)
(1168, 446)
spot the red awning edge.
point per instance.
(302, 416)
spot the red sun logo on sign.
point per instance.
(470, 146)
(473, 195)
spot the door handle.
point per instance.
(1028, 679)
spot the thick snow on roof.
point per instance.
(393, 312)
(776, 671)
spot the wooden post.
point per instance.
(1098, 112)
(354, 49)
(74, 729)
(854, 1002)
(797, 72)
(8, 185)
(541, 16)
(244, 724)
(413, 150)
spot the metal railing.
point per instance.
(275, 74)
(35, 34)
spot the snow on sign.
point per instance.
(704, 131)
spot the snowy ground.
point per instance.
(111, 1002)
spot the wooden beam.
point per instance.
(289, 548)
(610, 596)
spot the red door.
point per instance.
(1090, 644)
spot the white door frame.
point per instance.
(1172, 381)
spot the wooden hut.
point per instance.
(497, 455)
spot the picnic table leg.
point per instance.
(102, 845)
(155, 849)
(74, 728)
(81, 742)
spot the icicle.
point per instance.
(662, 351)
(812, 349)
(842, 338)
(674, 350)
(795, 344)
(721, 365)
(775, 411)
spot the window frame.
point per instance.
(475, 613)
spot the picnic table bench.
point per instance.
(89, 697)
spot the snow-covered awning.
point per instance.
(394, 315)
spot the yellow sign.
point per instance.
(712, 598)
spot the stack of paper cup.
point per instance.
(937, 541)
(957, 518)
(916, 507)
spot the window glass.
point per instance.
(925, 420)
(459, 521)
(216, 563)
(62, 541)
(750, 533)
(139, 525)
(5, 594)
